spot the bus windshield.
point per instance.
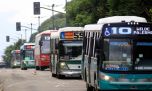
(143, 57)
(17, 56)
(29, 55)
(71, 51)
(45, 48)
(117, 54)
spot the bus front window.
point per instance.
(45, 48)
(29, 55)
(143, 57)
(17, 56)
(71, 51)
(117, 55)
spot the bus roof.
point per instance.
(22, 47)
(45, 32)
(15, 51)
(71, 29)
(94, 27)
(116, 19)
(29, 44)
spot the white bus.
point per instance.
(66, 52)
(116, 54)
(27, 56)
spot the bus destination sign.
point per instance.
(110, 31)
(71, 35)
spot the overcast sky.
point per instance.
(12, 11)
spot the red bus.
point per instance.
(42, 50)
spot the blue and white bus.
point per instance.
(116, 54)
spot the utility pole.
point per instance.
(53, 15)
(65, 12)
(25, 35)
(39, 24)
(31, 29)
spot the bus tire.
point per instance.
(89, 87)
(53, 75)
(37, 68)
(59, 76)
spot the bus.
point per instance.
(66, 52)
(116, 54)
(15, 60)
(27, 56)
(42, 49)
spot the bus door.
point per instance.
(90, 62)
(94, 58)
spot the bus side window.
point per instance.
(56, 45)
(91, 45)
(87, 46)
(94, 43)
(84, 44)
(61, 49)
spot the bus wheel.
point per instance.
(89, 88)
(59, 76)
(95, 89)
(42, 68)
(37, 68)
(53, 75)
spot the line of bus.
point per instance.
(116, 54)
(42, 49)
(15, 60)
(66, 52)
(27, 56)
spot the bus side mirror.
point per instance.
(40, 43)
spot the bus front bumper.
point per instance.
(105, 85)
(71, 73)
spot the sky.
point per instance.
(12, 11)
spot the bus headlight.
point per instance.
(63, 65)
(105, 77)
(43, 59)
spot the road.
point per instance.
(31, 80)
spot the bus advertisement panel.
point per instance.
(15, 61)
(117, 56)
(42, 49)
(66, 52)
(27, 56)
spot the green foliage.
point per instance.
(59, 21)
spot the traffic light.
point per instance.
(7, 38)
(36, 8)
(18, 26)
